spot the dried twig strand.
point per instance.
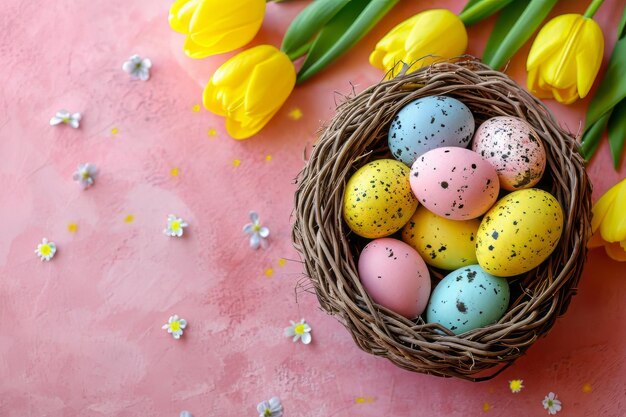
(357, 135)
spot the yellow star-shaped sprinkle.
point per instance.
(174, 172)
(295, 114)
(115, 131)
(211, 132)
(282, 262)
(516, 385)
(268, 158)
(72, 227)
(195, 108)
(269, 272)
(587, 388)
(129, 218)
(486, 406)
(236, 162)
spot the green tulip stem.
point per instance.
(480, 10)
(301, 51)
(593, 8)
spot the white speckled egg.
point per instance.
(428, 123)
(454, 183)
(519, 232)
(395, 276)
(467, 299)
(378, 200)
(514, 149)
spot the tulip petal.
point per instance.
(181, 13)
(615, 251)
(270, 84)
(588, 56)
(193, 50)
(237, 69)
(550, 38)
(613, 227)
(601, 207)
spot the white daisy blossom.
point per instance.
(85, 174)
(65, 117)
(258, 234)
(175, 326)
(299, 330)
(46, 250)
(138, 68)
(175, 226)
(271, 408)
(551, 404)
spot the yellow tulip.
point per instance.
(249, 88)
(437, 32)
(216, 26)
(565, 58)
(609, 222)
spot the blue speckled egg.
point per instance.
(467, 299)
(428, 123)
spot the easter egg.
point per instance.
(467, 299)
(514, 149)
(378, 200)
(428, 123)
(454, 183)
(395, 276)
(519, 232)
(442, 243)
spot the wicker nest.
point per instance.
(358, 134)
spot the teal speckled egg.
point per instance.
(378, 199)
(467, 299)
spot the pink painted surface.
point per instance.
(81, 335)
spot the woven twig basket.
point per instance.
(358, 134)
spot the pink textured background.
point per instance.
(81, 335)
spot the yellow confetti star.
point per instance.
(587, 388)
(268, 158)
(115, 131)
(236, 162)
(269, 272)
(364, 400)
(129, 218)
(486, 406)
(72, 227)
(195, 108)
(295, 114)
(211, 132)
(516, 385)
(282, 262)
(174, 172)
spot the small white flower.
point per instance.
(271, 408)
(551, 404)
(65, 117)
(185, 414)
(86, 174)
(258, 234)
(175, 326)
(46, 250)
(138, 68)
(175, 226)
(299, 330)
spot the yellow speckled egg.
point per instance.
(442, 243)
(519, 232)
(378, 199)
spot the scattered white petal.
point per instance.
(175, 226)
(85, 175)
(271, 408)
(258, 234)
(139, 69)
(551, 403)
(46, 250)
(185, 414)
(299, 331)
(65, 117)
(175, 326)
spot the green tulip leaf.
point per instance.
(481, 10)
(617, 132)
(592, 136)
(308, 23)
(515, 25)
(342, 32)
(469, 4)
(612, 89)
(621, 28)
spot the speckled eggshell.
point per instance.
(428, 123)
(514, 149)
(378, 200)
(467, 299)
(442, 243)
(454, 183)
(519, 232)
(395, 276)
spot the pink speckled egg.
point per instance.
(395, 276)
(514, 149)
(454, 183)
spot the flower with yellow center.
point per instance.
(46, 250)
(175, 326)
(299, 331)
(258, 234)
(565, 58)
(516, 385)
(215, 26)
(421, 40)
(175, 226)
(250, 88)
(609, 222)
